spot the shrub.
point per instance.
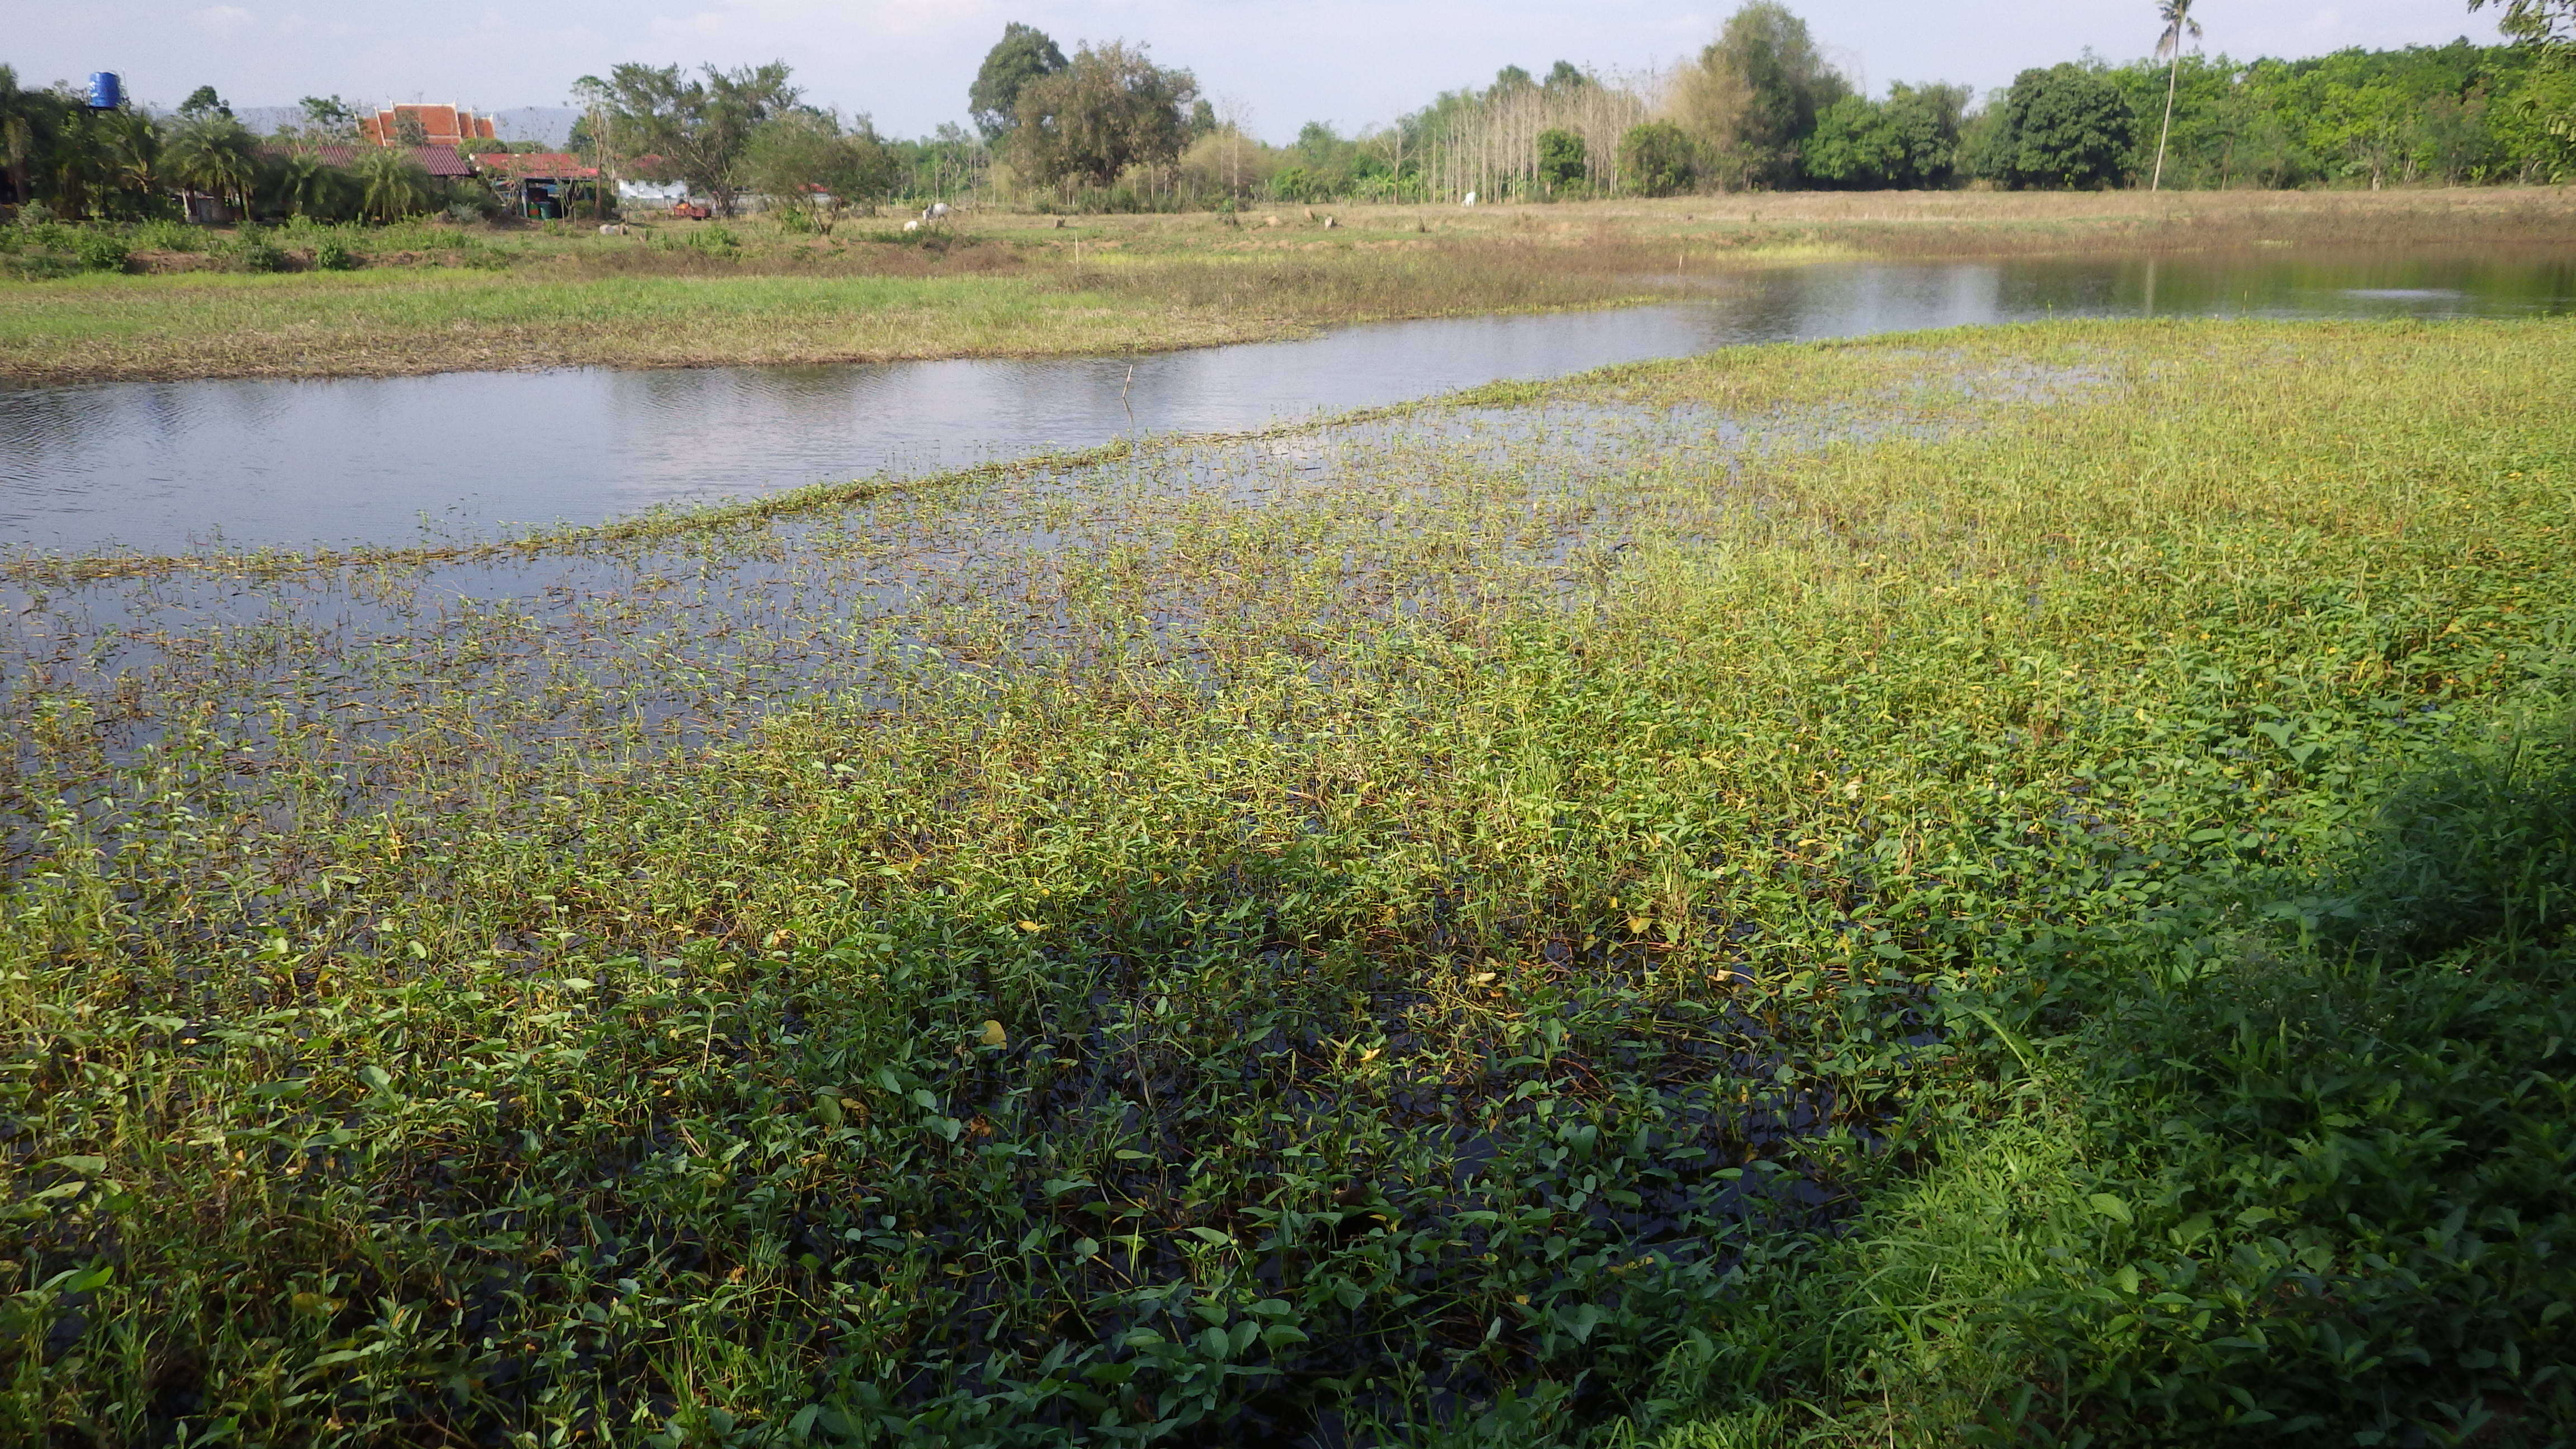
(100, 251)
(1658, 159)
(332, 254)
(168, 236)
(1562, 164)
(253, 252)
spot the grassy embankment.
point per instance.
(436, 298)
(1410, 928)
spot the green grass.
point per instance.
(1408, 932)
(2258, 1187)
(216, 324)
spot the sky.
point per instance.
(1275, 64)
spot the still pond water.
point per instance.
(162, 466)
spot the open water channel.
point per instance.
(163, 466)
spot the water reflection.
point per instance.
(161, 465)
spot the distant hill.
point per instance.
(550, 124)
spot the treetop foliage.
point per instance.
(1754, 95)
(1911, 139)
(2548, 25)
(1110, 109)
(699, 126)
(2068, 126)
(1023, 54)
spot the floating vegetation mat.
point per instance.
(1351, 934)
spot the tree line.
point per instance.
(1760, 108)
(59, 158)
(1108, 127)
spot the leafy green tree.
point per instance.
(328, 118)
(2535, 124)
(1110, 109)
(2548, 26)
(1024, 54)
(804, 159)
(1909, 140)
(1930, 121)
(1754, 94)
(75, 167)
(1658, 158)
(1565, 75)
(2068, 126)
(2176, 15)
(1854, 145)
(1561, 160)
(203, 104)
(698, 126)
(27, 119)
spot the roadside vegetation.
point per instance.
(2004, 885)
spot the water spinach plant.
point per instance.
(1843, 893)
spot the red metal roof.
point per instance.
(436, 160)
(539, 165)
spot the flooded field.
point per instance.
(161, 466)
(1488, 920)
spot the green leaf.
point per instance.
(2109, 1206)
(87, 1166)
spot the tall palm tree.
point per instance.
(216, 155)
(305, 184)
(136, 145)
(2176, 14)
(396, 185)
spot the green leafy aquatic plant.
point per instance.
(1399, 930)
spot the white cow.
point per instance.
(912, 226)
(1470, 201)
(935, 211)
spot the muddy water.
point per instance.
(161, 466)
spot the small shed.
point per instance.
(542, 185)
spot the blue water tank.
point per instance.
(106, 91)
